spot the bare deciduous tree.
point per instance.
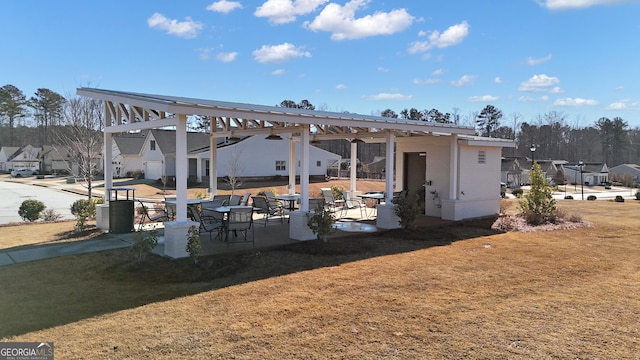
(82, 138)
(235, 169)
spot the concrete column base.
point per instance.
(102, 216)
(387, 218)
(175, 238)
(298, 229)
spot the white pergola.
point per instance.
(127, 111)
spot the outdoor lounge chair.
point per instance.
(151, 215)
(330, 201)
(235, 200)
(262, 204)
(353, 203)
(245, 199)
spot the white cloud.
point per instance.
(484, 98)
(575, 102)
(279, 53)
(204, 53)
(285, 11)
(531, 61)
(619, 88)
(341, 86)
(438, 72)
(227, 57)
(452, 36)
(532, 99)
(342, 23)
(538, 83)
(382, 69)
(624, 104)
(557, 90)
(278, 72)
(224, 6)
(497, 80)
(425, 81)
(576, 4)
(464, 80)
(187, 29)
(389, 97)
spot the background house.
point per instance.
(26, 157)
(255, 156)
(588, 174)
(628, 174)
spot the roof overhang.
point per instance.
(127, 111)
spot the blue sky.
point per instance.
(526, 57)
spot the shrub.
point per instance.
(51, 215)
(568, 197)
(144, 242)
(31, 209)
(83, 210)
(517, 192)
(321, 223)
(538, 206)
(591, 197)
(407, 210)
(337, 191)
(637, 195)
(193, 243)
(619, 198)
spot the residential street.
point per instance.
(15, 192)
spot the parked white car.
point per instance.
(22, 172)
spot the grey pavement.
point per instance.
(39, 252)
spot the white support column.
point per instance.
(182, 168)
(298, 229)
(199, 169)
(213, 166)
(108, 163)
(453, 172)
(386, 217)
(102, 210)
(389, 171)
(304, 169)
(292, 166)
(354, 165)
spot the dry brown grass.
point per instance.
(457, 291)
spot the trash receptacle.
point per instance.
(121, 210)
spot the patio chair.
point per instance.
(262, 204)
(212, 221)
(245, 199)
(235, 200)
(353, 203)
(151, 215)
(330, 201)
(223, 198)
(240, 220)
(170, 208)
(275, 203)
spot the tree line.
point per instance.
(31, 120)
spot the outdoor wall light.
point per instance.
(274, 137)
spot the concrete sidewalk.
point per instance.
(33, 253)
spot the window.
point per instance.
(281, 165)
(152, 145)
(482, 157)
(318, 163)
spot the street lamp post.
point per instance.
(581, 163)
(533, 152)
